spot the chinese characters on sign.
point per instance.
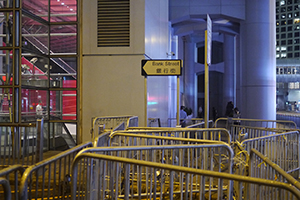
(161, 67)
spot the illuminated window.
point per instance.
(283, 55)
(297, 85)
(277, 49)
(291, 85)
(282, 3)
(296, 20)
(283, 48)
(283, 16)
(290, 15)
(277, 55)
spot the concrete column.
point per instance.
(229, 71)
(258, 60)
(189, 76)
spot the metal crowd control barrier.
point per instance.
(200, 124)
(217, 134)
(50, 177)
(283, 149)
(21, 143)
(114, 177)
(236, 125)
(261, 166)
(253, 132)
(13, 174)
(214, 157)
(102, 140)
(129, 139)
(217, 156)
(6, 189)
(102, 124)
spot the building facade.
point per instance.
(288, 55)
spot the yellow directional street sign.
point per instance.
(161, 67)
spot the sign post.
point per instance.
(208, 41)
(161, 68)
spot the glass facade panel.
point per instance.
(63, 39)
(6, 104)
(34, 70)
(65, 105)
(35, 36)
(63, 72)
(63, 11)
(38, 8)
(34, 104)
(43, 63)
(6, 70)
(6, 29)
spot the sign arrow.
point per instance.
(161, 67)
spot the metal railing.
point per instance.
(50, 177)
(217, 134)
(283, 149)
(236, 125)
(21, 143)
(130, 178)
(214, 157)
(200, 124)
(217, 156)
(224, 122)
(6, 188)
(12, 174)
(103, 124)
(261, 166)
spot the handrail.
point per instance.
(194, 171)
(288, 177)
(5, 124)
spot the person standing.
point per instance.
(182, 116)
(39, 110)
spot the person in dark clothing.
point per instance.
(214, 113)
(229, 109)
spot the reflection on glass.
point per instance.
(6, 104)
(63, 11)
(34, 104)
(63, 72)
(63, 39)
